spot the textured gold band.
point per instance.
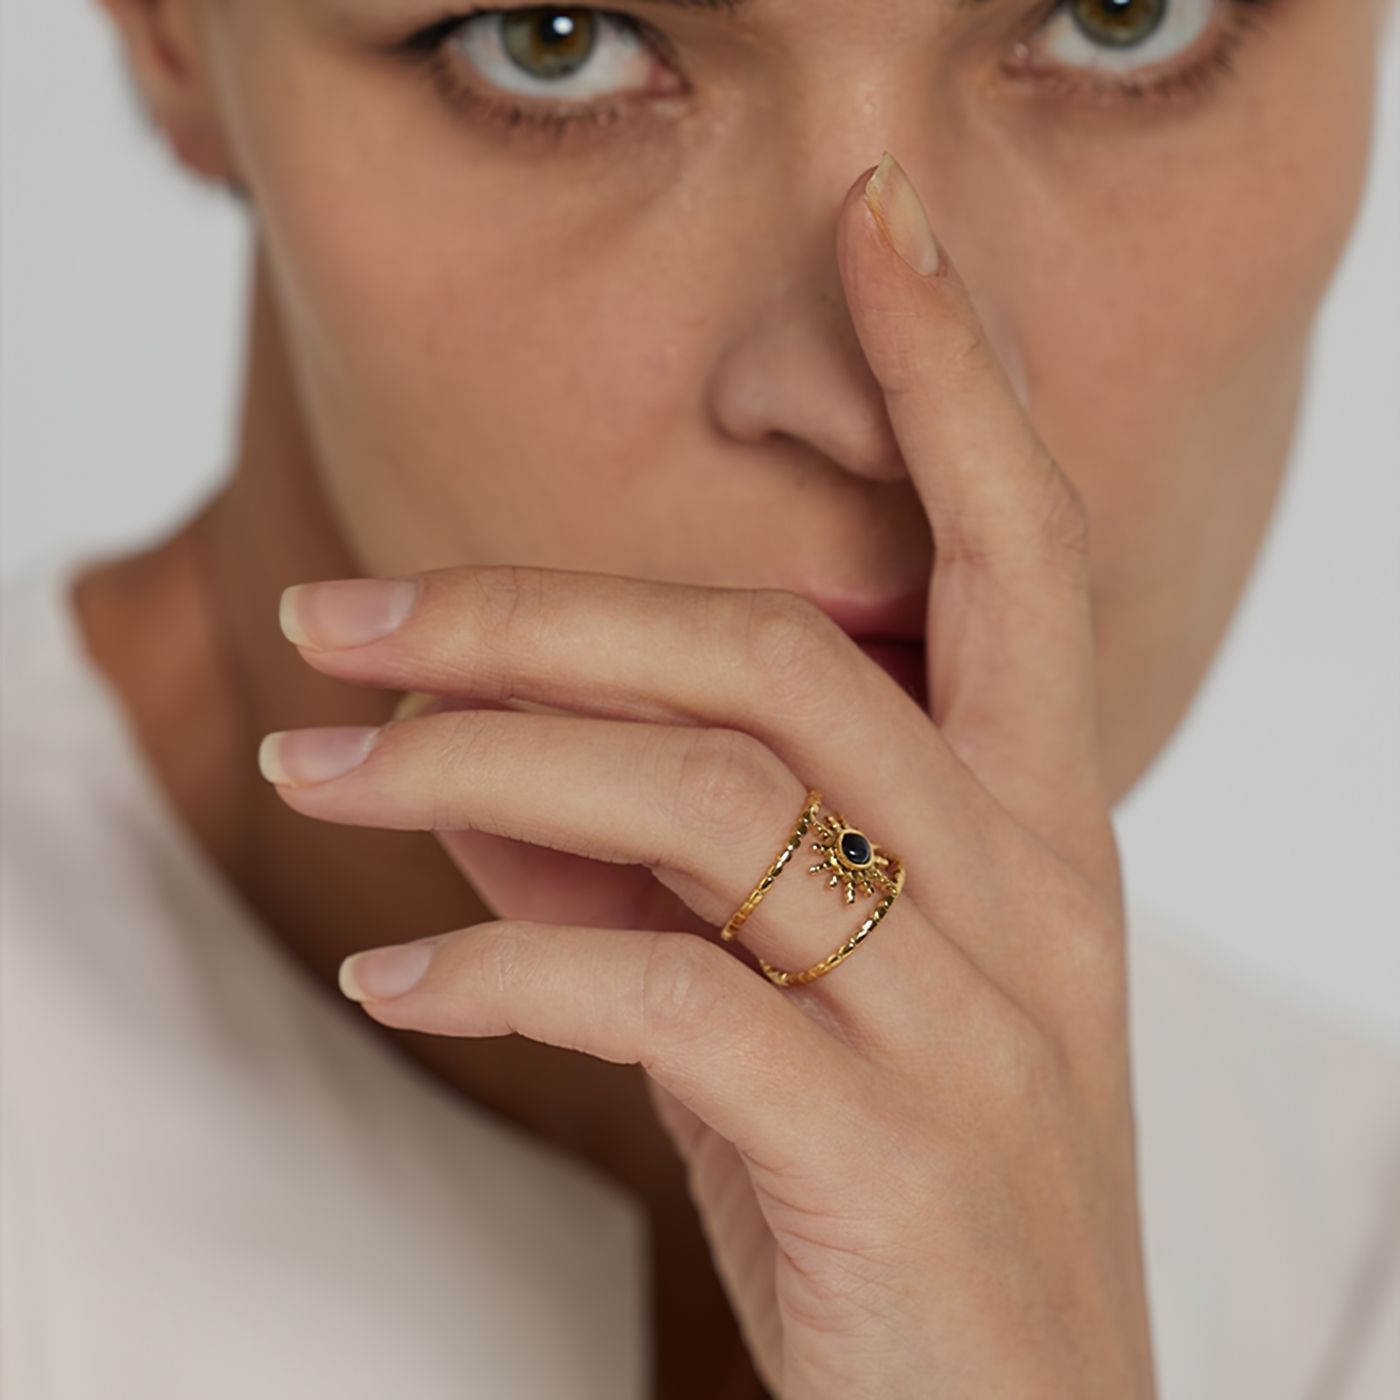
(809, 814)
(853, 860)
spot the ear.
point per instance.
(163, 51)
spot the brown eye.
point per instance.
(549, 43)
(1118, 23)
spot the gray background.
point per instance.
(1270, 830)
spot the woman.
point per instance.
(719, 528)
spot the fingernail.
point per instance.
(380, 973)
(345, 612)
(300, 756)
(900, 213)
(414, 702)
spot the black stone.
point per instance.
(855, 848)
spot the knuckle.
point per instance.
(682, 986)
(956, 352)
(968, 352)
(1046, 528)
(725, 781)
(1091, 970)
(1018, 1064)
(457, 748)
(510, 598)
(503, 955)
(1081, 1003)
(793, 645)
(457, 740)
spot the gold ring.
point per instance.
(855, 862)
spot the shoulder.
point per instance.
(80, 812)
(50, 689)
(1269, 1159)
(192, 1123)
(1210, 1037)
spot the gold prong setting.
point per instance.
(850, 855)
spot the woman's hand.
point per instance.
(916, 1172)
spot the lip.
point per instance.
(890, 631)
(900, 617)
(904, 660)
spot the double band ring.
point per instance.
(855, 864)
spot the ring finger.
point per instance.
(706, 809)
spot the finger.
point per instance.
(744, 1245)
(1010, 643)
(706, 810)
(517, 880)
(764, 661)
(727, 1044)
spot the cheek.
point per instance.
(514, 379)
(1189, 256)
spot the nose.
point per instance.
(792, 369)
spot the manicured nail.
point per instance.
(300, 756)
(345, 612)
(380, 973)
(900, 213)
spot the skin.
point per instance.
(643, 353)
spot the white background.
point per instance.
(1270, 830)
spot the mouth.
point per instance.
(889, 630)
(904, 659)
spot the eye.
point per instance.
(1103, 50)
(576, 53)
(1122, 36)
(556, 71)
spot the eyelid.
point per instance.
(478, 40)
(463, 83)
(559, 122)
(1222, 26)
(1182, 24)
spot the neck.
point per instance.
(188, 632)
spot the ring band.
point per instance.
(854, 861)
(809, 814)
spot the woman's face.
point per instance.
(622, 344)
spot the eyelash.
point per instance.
(554, 124)
(1196, 78)
(551, 124)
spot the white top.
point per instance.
(217, 1185)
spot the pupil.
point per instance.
(546, 43)
(1119, 23)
